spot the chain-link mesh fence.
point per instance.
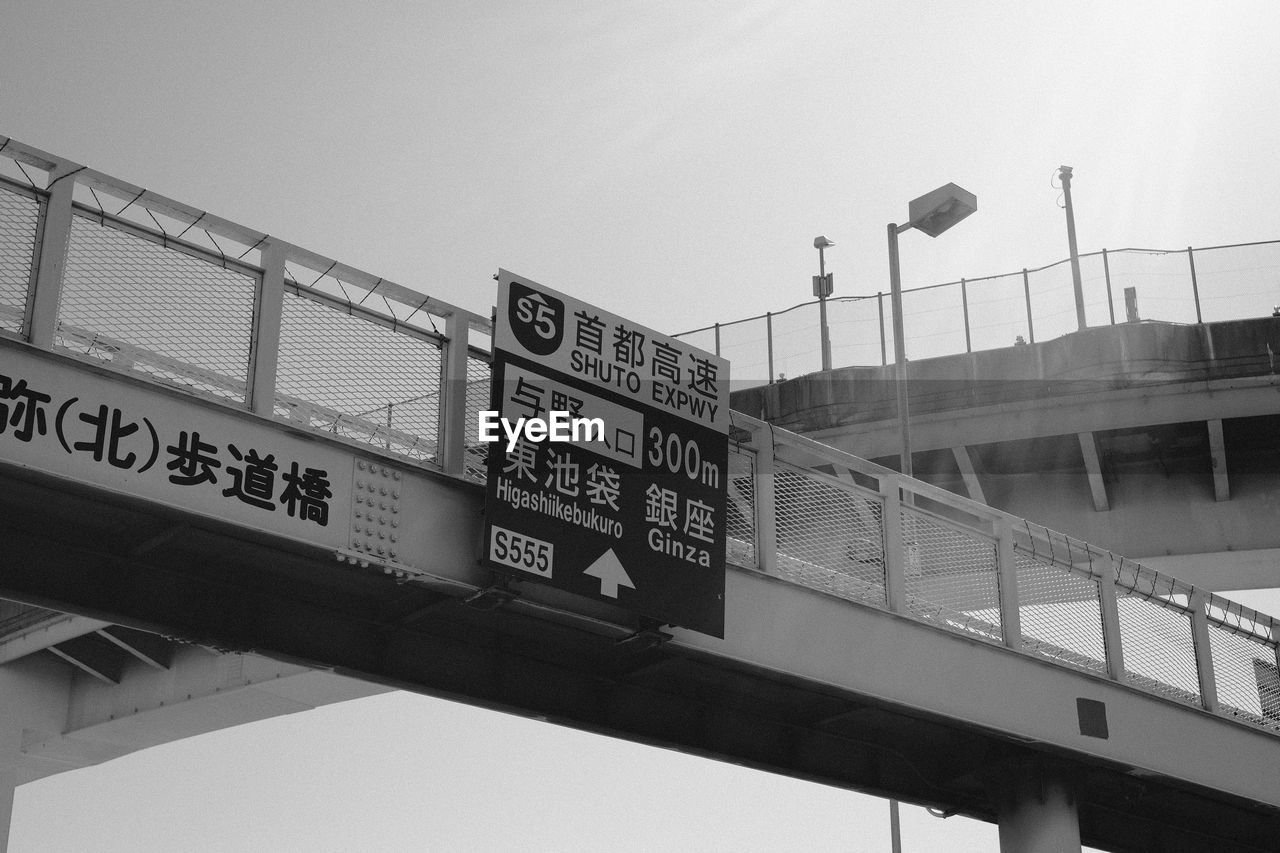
(1060, 612)
(855, 330)
(476, 452)
(1155, 634)
(1236, 279)
(933, 322)
(740, 524)
(1162, 281)
(830, 534)
(997, 311)
(1230, 282)
(745, 345)
(19, 221)
(797, 346)
(357, 378)
(951, 574)
(156, 309)
(1244, 667)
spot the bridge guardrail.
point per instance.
(258, 324)
(1189, 285)
(848, 527)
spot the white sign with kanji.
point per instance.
(579, 340)
(118, 434)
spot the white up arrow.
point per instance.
(608, 568)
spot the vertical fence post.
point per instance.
(453, 397)
(1007, 566)
(766, 508)
(895, 564)
(42, 307)
(1275, 649)
(1106, 273)
(1111, 641)
(768, 329)
(1026, 291)
(884, 358)
(964, 304)
(268, 308)
(1204, 653)
(1195, 287)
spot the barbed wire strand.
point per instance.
(34, 186)
(217, 246)
(261, 240)
(102, 211)
(371, 290)
(164, 239)
(193, 224)
(67, 175)
(416, 310)
(121, 211)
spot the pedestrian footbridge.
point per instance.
(235, 475)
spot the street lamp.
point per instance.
(931, 213)
(822, 286)
(1064, 174)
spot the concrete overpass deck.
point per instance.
(1155, 440)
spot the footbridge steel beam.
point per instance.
(55, 717)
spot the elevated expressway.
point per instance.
(1155, 440)
(882, 634)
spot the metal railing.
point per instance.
(1190, 285)
(833, 522)
(260, 325)
(101, 269)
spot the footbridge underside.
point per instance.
(812, 679)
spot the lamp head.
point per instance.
(937, 211)
(822, 242)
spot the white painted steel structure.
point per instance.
(829, 551)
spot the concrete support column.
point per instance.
(8, 782)
(33, 698)
(1036, 810)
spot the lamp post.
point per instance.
(1064, 174)
(931, 213)
(822, 286)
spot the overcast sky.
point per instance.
(671, 162)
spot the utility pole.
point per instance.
(822, 286)
(1064, 173)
